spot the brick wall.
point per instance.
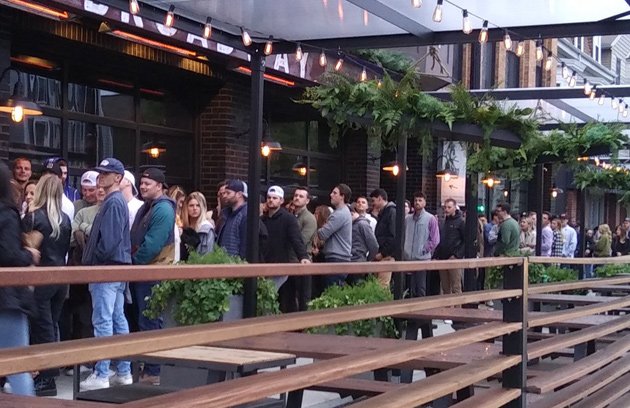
(5, 54)
(527, 68)
(361, 164)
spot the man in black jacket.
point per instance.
(385, 231)
(284, 233)
(451, 247)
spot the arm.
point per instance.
(333, 224)
(573, 243)
(110, 232)
(460, 251)
(547, 241)
(434, 236)
(388, 245)
(160, 229)
(295, 238)
(370, 241)
(12, 252)
(309, 229)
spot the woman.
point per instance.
(178, 195)
(16, 303)
(29, 194)
(604, 242)
(194, 217)
(621, 243)
(527, 242)
(557, 243)
(45, 216)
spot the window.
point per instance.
(597, 48)
(579, 42)
(89, 143)
(100, 102)
(617, 71)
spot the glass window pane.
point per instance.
(324, 174)
(35, 137)
(100, 102)
(281, 170)
(177, 160)
(289, 134)
(165, 112)
(89, 143)
(39, 89)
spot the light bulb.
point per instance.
(587, 87)
(395, 170)
(268, 46)
(466, 25)
(520, 49)
(621, 106)
(298, 53)
(134, 7)
(154, 152)
(549, 62)
(437, 13)
(539, 50)
(339, 64)
(506, 193)
(490, 182)
(302, 171)
(613, 103)
(625, 112)
(265, 150)
(483, 34)
(507, 40)
(247, 40)
(416, 3)
(17, 114)
(565, 71)
(602, 97)
(593, 92)
(379, 83)
(322, 59)
(170, 17)
(207, 28)
(366, 18)
(554, 193)
(363, 75)
(447, 177)
(572, 80)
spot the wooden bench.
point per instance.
(15, 401)
(356, 387)
(494, 398)
(610, 393)
(574, 300)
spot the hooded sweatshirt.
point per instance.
(153, 233)
(451, 237)
(364, 243)
(386, 230)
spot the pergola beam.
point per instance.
(520, 94)
(379, 9)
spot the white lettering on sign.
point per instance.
(303, 65)
(164, 30)
(124, 17)
(191, 38)
(282, 61)
(224, 49)
(100, 9)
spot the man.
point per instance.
(22, 171)
(362, 209)
(88, 191)
(570, 238)
(129, 191)
(53, 166)
(152, 243)
(533, 216)
(285, 235)
(337, 232)
(385, 231)
(546, 240)
(509, 232)
(70, 192)
(422, 236)
(626, 227)
(221, 204)
(109, 244)
(300, 287)
(233, 230)
(451, 246)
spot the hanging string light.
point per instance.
(587, 88)
(363, 75)
(549, 61)
(613, 103)
(298, 53)
(437, 12)
(621, 106)
(366, 18)
(466, 24)
(268, 46)
(207, 28)
(572, 79)
(507, 40)
(593, 93)
(339, 63)
(625, 111)
(601, 99)
(565, 71)
(520, 49)
(539, 50)
(416, 3)
(322, 59)
(483, 34)
(170, 16)
(247, 39)
(134, 7)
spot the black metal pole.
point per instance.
(401, 192)
(472, 222)
(538, 198)
(253, 178)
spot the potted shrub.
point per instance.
(364, 292)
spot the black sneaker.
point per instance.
(45, 387)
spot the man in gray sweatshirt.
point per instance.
(422, 236)
(337, 232)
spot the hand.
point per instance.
(315, 251)
(35, 254)
(378, 257)
(305, 261)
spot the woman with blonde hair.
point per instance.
(45, 216)
(527, 241)
(178, 195)
(194, 218)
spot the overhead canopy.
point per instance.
(392, 23)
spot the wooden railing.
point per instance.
(510, 365)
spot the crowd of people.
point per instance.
(113, 221)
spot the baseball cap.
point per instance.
(564, 216)
(88, 178)
(156, 175)
(52, 166)
(236, 186)
(110, 165)
(132, 180)
(276, 191)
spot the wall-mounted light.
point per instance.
(154, 149)
(207, 28)
(490, 181)
(555, 191)
(446, 174)
(302, 168)
(169, 20)
(268, 145)
(506, 192)
(393, 167)
(17, 106)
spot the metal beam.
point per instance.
(572, 110)
(392, 16)
(520, 94)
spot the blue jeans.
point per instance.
(108, 319)
(14, 328)
(141, 292)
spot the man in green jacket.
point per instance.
(509, 232)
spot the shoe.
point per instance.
(448, 321)
(82, 369)
(117, 379)
(94, 382)
(45, 387)
(150, 379)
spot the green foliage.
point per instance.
(393, 61)
(206, 300)
(605, 271)
(364, 292)
(538, 273)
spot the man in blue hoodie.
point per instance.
(152, 243)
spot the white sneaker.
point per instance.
(118, 379)
(94, 382)
(448, 321)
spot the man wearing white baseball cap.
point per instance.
(88, 191)
(129, 191)
(284, 233)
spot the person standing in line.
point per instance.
(509, 232)
(364, 243)
(194, 212)
(70, 192)
(337, 233)
(557, 245)
(422, 236)
(130, 193)
(570, 238)
(16, 302)
(22, 171)
(527, 240)
(88, 191)
(233, 231)
(109, 244)
(362, 209)
(53, 166)
(546, 241)
(451, 246)
(385, 232)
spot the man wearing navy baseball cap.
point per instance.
(109, 244)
